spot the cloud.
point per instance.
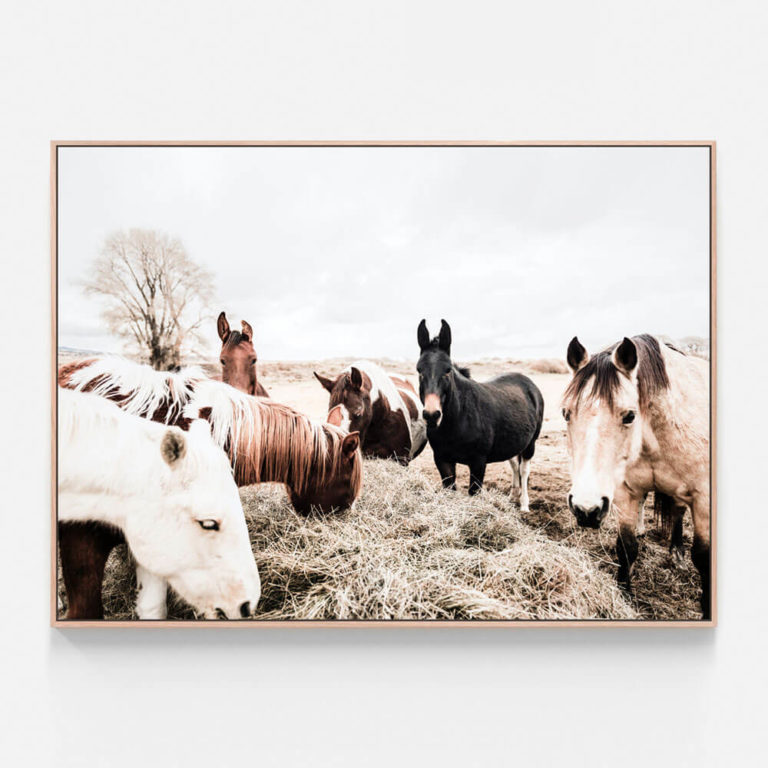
(336, 252)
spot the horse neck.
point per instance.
(681, 412)
(286, 448)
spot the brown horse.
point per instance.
(320, 465)
(384, 409)
(638, 421)
(238, 358)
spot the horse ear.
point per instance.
(327, 383)
(423, 335)
(577, 356)
(350, 444)
(335, 416)
(355, 378)
(625, 356)
(173, 447)
(247, 330)
(222, 326)
(444, 340)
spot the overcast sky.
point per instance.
(339, 252)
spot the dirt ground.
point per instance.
(661, 591)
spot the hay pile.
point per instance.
(406, 551)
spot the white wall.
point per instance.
(336, 70)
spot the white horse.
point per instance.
(172, 495)
(638, 421)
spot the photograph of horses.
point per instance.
(388, 382)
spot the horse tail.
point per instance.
(664, 512)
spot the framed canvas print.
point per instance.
(393, 383)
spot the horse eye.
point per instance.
(566, 415)
(222, 362)
(208, 525)
(446, 374)
(253, 362)
(628, 417)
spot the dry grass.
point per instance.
(406, 551)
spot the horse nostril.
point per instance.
(606, 504)
(220, 614)
(245, 609)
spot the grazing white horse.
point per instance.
(638, 421)
(170, 492)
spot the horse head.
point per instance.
(436, 372)
(336, 486)
(350, 405)
(602, 410)
(238, 356)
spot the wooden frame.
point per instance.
(362, 623)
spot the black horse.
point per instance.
(476, 424)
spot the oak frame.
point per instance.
(59, 623)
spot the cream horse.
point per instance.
(638, 421)
(170, 492)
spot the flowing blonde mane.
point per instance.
(265, 440)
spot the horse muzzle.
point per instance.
(432, 413)
(589, 516)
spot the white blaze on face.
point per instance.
(601, 446)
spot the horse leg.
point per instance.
(676, 548)
(525, 473)
(514, 462)
(700, 553)
(151, 595)
(447, 472)
(626, 542)
(641, 516)
(476, 476)
(84, 549)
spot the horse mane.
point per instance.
(265, 440)
(652, 375)
(269, 441)
(463, 371)
(138, 389)
(233, 339)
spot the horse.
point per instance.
(320, 465)
(637, 418)
(476, 423)
(169, 493)
(238, 358)
(384, 409)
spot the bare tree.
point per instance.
(155, 297)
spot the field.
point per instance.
(410, 550)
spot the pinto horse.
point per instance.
(320, 465)
(476, 424)
(238, 358)
(170, 493)
(637, 416)
(384, 409)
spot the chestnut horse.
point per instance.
(238, 358)
(638, 421)
(320, 465)
(384, 409)
(170, 493)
